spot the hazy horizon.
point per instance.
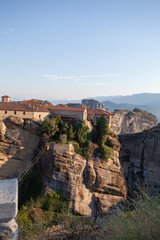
(15, 98)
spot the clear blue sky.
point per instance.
(79, 48)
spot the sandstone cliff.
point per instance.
(90, 186)
(140, 158)
(126, 121)
(19, 142)
(91, 103)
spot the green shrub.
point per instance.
(102, 129)
(142, 223)
(54, 202)
(77, 148)
(81, 133)
(36, 215)
(71, 133)
(107, 152)
(49, 127)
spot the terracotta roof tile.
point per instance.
(93, 111)
(6, 96)
(74, 109)
(31, 102)
(14, 106)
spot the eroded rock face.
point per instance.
(126, 121)
(19, 142)
(140, 159)
(90, 186)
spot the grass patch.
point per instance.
(142, 223)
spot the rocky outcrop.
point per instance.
(91, 103)
(126, 121)
(140, 159)
(91, 187)
(19, 142)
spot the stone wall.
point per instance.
(81, 115)
(37, 116)
(8, 209)
(40, 116)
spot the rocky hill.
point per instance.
(91, 103)
(126, 121)
(140, 158)
(90, 186)
(19, 142)
(116, 106)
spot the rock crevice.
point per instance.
(140, 159)
(91, 187)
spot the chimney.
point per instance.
(6, 98)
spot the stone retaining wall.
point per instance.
(8, 209)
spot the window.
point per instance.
(39, 115)
(24, 113)
(14, 112)
(5, 112)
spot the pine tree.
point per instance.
(71, 134)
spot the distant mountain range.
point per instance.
(151, 99)
(149, 102)
(113, 106)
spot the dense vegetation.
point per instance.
(55, 130)
(48, 218)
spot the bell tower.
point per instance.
(6, 98)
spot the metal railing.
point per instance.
(28, 169)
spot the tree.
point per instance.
(71, 133)
(59, 123)
(81, 133)
(49, 127)
(107, 152)
(102, 130)
(65, 129)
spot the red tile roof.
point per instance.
(31, 102)
(6, 96)
(74, 109)
(92, 111)
(14, 106)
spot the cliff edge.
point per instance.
(19, 142)
(140, 159)
(90, 186)
(126, 121)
